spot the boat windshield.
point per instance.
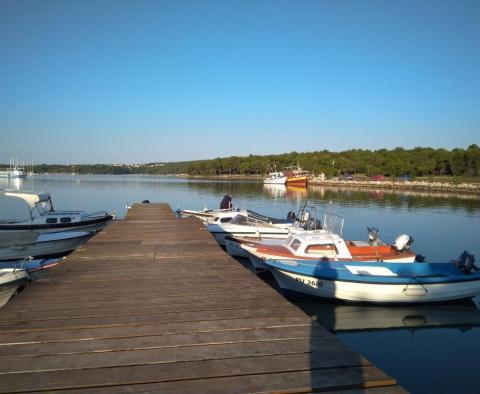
(42, 207)
(295, 244)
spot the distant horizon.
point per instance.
(166, 81)
(28, 162)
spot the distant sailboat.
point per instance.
(14, 170)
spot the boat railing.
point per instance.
(258, 218)
(95, 214)
(333, 223)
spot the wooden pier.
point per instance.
(153, 304)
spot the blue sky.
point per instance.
(139, 81)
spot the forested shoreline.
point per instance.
(396, 162)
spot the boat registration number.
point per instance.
(310, 282)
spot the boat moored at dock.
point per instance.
(324, 246)
(26, 212)
(260, 226)
(211, 215)
(378, 282)
(10, 280)
(46, 245)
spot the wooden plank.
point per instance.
(20, 338)
(140, 310)
(205, 369)
(286, 382)
(140, 319)
(159, 341)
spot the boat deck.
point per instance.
(153, 304)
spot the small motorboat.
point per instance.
(46, 245)
(211, 215)
(379, 282)
(10, 280)
(260, 226)
(323, 246)
(31, 265)
(25, 215)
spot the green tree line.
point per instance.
(416, 162)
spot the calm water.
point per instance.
(427, 348)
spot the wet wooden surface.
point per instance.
(153, 304)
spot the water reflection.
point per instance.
(345, 317)
(12, 183)
(275, 191)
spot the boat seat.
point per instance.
(359, 243)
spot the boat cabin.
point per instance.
(36, 208)
(324, 245)
(319, 244)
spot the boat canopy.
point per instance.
(23, 205)
(30, 198)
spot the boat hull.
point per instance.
(220, 232)
(301, 180)
(275, 181)
(94, 225)
(10, 281)
(234, 249)
(45, 246)
(258, 263)
(378, 293)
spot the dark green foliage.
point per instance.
(396, 162)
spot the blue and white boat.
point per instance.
(378, 282)
(30, 265)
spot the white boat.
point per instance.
(10, 280)
(242, 226)
(211, 215)
(50, 244)
(377, 282)
(259, 226)
(324, 246)
(25, 215)
(275, 178)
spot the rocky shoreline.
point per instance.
(407, 185)
(446, 185)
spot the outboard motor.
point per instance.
(372, 235)
(419, 258)
(291, 216)
(403, 242)
(466, 263)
